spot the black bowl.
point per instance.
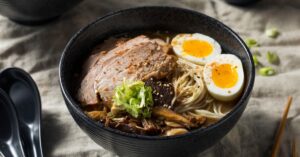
(151, 19)
(35, 11)
(242, 2)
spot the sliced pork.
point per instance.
(139, 58)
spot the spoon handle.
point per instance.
(10, 141)
(9, 151)
(32, 143)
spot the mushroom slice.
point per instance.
(176, 131)
(170, 115)
(96, 115)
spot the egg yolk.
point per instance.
(197, 48)
(224, 75)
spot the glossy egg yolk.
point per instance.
(224, 75)
(197, 48)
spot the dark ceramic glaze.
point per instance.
(24, 94)
(35, 11)
(145, 19)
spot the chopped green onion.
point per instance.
(251, 43)
(255, 60)
(272, 32)
(135, 98)
(272, 57)
(255, 56)
(267, 71)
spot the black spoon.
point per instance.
(25, 96)
(10, 140)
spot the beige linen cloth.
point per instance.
(38, 49)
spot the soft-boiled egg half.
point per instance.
(224, 77)
(197, 48)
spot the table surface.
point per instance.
(38, 49)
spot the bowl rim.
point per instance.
(70, 102)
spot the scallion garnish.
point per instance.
(272, 32)
(272, 57)
(267, 71)
(251, 43)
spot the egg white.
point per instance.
(177, 44)
(224, 94)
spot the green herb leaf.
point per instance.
(272, 58)
(135, 98)
(251, 43)
(267, 71)
(272, 33)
